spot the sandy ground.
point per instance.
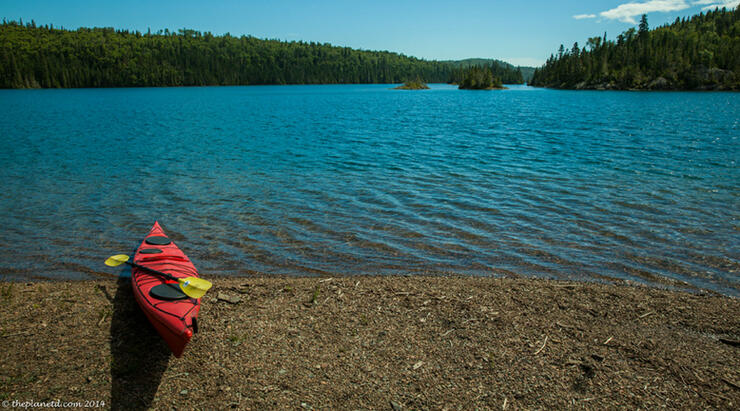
(376, 343)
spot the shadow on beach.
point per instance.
(139, 355)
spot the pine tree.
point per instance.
(644, 29)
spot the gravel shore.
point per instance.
(400, 342)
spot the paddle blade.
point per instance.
(194, 287)
(116, 260)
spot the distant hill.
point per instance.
(698, 53)
(527, 72)
(465, 63)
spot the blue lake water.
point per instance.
(361, 179)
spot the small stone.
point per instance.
(89, 379)
(283, 371)
(231, 299)
(184, 392)
(396, 406)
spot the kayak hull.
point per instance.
(174, 319)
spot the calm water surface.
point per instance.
(358, 179)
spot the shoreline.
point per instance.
(610, 88)
(400, 342)
(216, 85)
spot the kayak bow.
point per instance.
(172, 313)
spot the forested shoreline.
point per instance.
(698, 53)
(34, 56)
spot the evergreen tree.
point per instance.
(702, 52)
(643, 28)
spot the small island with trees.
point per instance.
(480, 78)
(416, 84)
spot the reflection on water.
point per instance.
(307, 180)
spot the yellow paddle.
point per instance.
(192, 286)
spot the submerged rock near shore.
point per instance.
(372, 342)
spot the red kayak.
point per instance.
(171, 312)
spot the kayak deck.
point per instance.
(174, 317)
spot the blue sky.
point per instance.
(523, 33)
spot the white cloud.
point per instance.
(712, 4)
(628, 11)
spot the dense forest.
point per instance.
(699, 53)
(34, 56)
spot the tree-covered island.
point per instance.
(415, 84)
(480, 78)
(505, 72)
(698, 53)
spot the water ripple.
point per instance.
(326, 180)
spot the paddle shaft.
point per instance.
(168, 276)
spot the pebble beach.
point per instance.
(375, 342)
